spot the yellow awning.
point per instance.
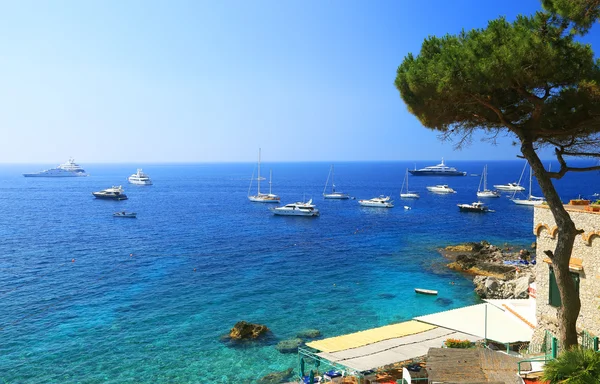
(370, 336)
(575, 264)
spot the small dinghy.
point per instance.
(130, 215)
(426, 291)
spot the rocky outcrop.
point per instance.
(492, 288)
(289, 345)
(309, 334)
(243, 330)
(276, 377)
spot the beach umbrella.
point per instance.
(302, 366)
(311, 377)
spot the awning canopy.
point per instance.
(485, 321)
(370, 336)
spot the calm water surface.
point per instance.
(147, 300)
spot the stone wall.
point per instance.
(586, 248)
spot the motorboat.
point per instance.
(378, 202)
(128, 215)
(140, 178)
(477, 206)
(114, 193)
(485, 192)
(440, 189)
(408, 194)
(333, 194)
(530, 200)
(426, 291)
(297, 209)
(437, 170)
(68, 169)
(513, 187)
(262, 197)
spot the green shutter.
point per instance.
(554, 294)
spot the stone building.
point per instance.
(584, 266)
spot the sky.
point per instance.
(212, 81)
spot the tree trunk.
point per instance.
(569, 310)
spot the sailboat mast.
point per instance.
(530, 178)
(270, 180)
(258, 171)
(332, 181)
(485, 178)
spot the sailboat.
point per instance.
(262, 197)
(531, 200)
(485, 192)
(408, 194)
(334, 194)
(513, 186)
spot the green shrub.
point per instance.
(575, 366)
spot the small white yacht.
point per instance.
(333, 194)
(513, 187)
(437, 170)
(297, 209)
(530, 200)
(377, 202)
(114, 193)
(440, 189)
(485, 192)
(408, 194)
(478, 207)
(140, 178)
(68, 169)
(262, 197)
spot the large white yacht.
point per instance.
(114, 193)
(440, 189)
(437, 170)
(513, 187)
(140, 178)
(377, 202)
(68, 169)
(477, 206)
(297, 209)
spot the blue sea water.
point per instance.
(88, 298)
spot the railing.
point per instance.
(533, 360)
(588, 341)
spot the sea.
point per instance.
(89, 298)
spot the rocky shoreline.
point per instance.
(499, 273)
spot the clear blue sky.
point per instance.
(171, 81)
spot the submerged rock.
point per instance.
(243, 330)
(441, 301)
(276, 377)
(289, 345)
(386, 296)
(309, 334)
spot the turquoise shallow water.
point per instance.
(203, 257)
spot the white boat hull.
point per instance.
(426, 291)
(509, 188)
(139, 182)
(409, 195)
(264, 199)
(376, 204)
(488, 194)
(441, 190)
(336, 196)
(295, 212)
(527, 202)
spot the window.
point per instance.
(554, 295)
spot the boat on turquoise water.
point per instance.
(333, 194)
(477, 206)
(307, 209)
(262, 197)
(68, 169)
(485, 192)
(377, 202)
(440, 189)
(530, 200)
(437, 170)
(408, 194)
(513, 187)
(426, 291)
(114, 193)
(128, 215)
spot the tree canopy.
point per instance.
(583, 13)
(526, 77)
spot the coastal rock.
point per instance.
(466, 247)
(276, 377)
(309, 334)
(289, 345)
(521, 290)
(243, 330)
(491, 288)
